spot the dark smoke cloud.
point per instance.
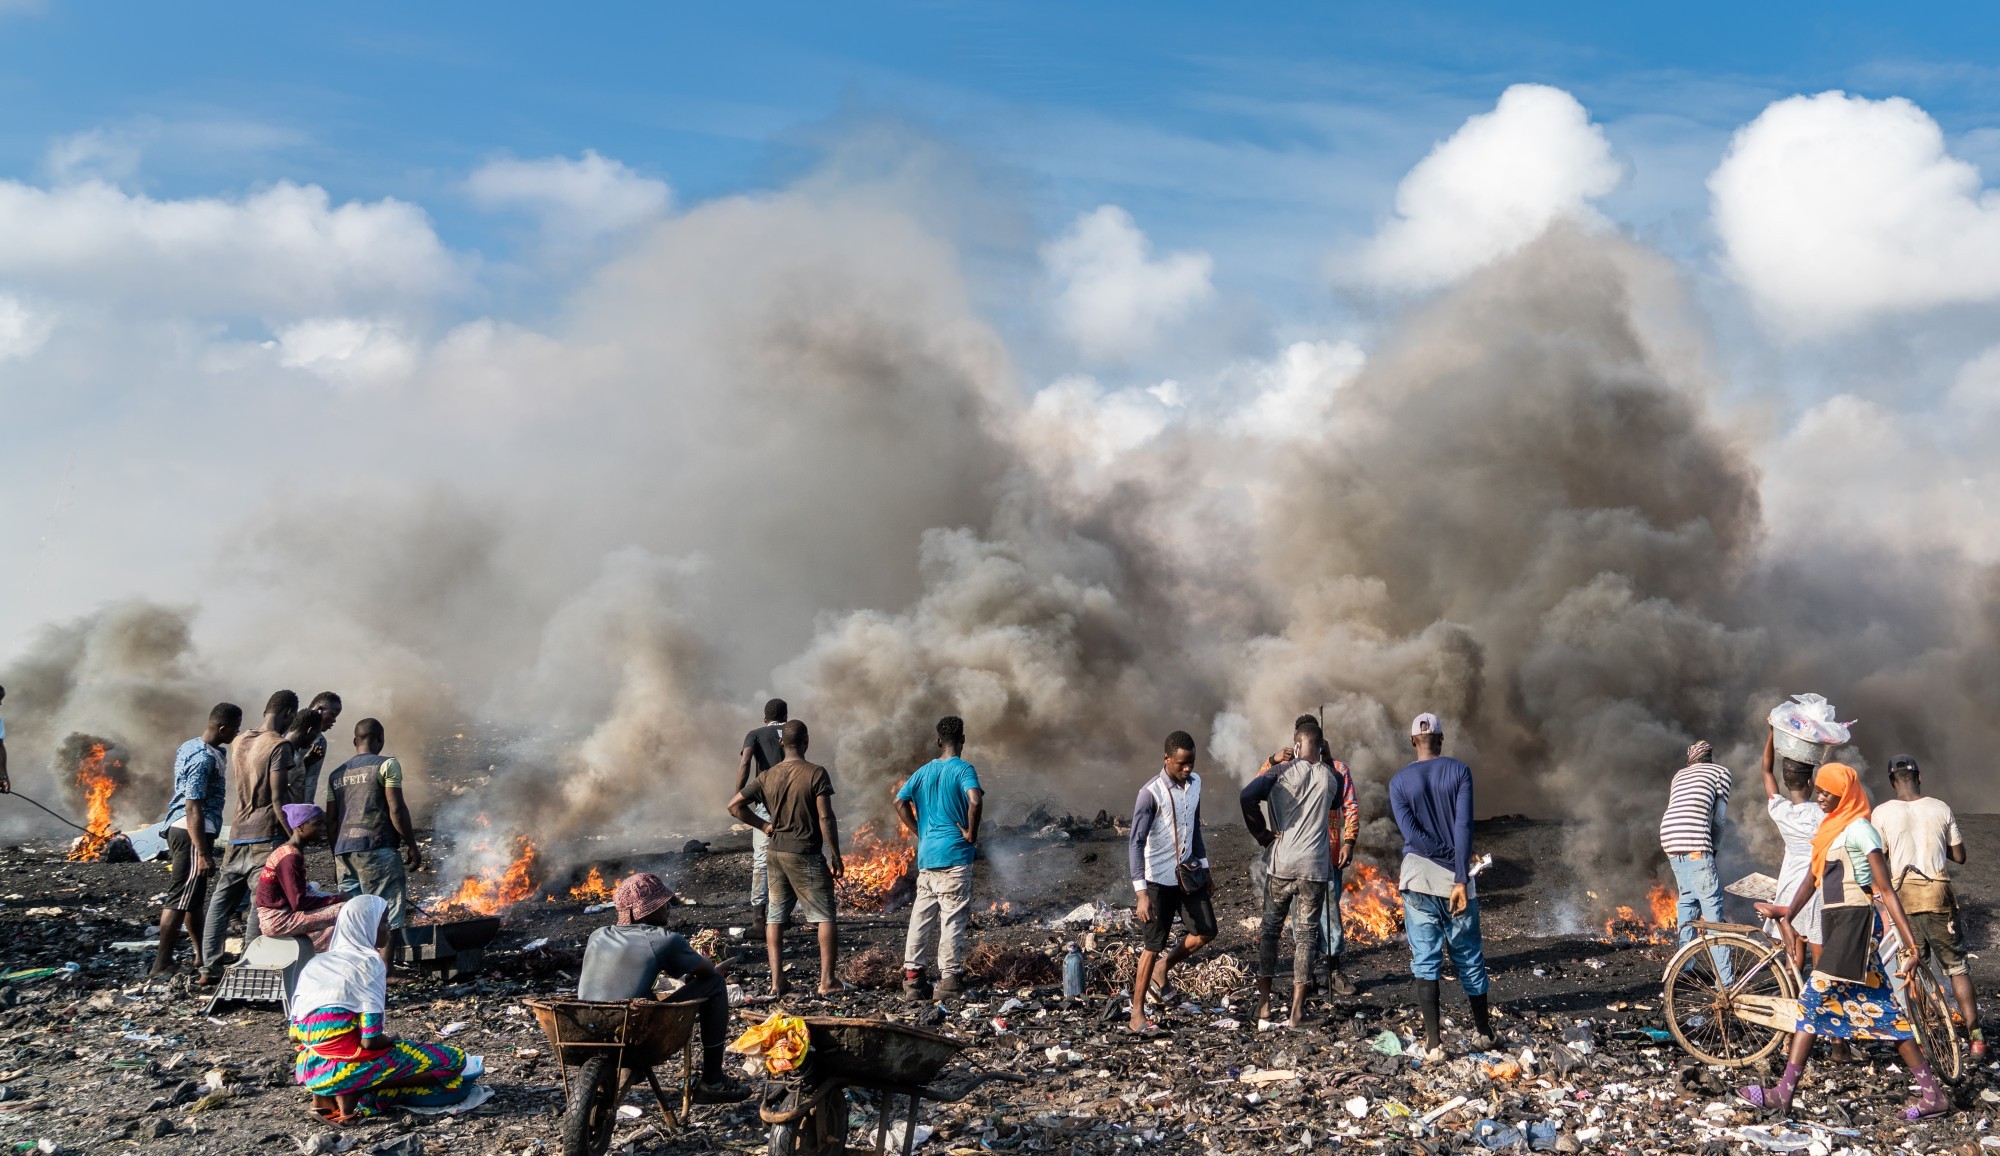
(775, 450)
(127, 675)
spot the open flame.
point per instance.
(490, 893)
(1660, 924)
(593, 889)
(1371, 907)
(878, 870)
(96, 786)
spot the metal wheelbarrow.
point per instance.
(807, 1110)
(612, 1046)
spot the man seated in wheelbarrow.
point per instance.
(624, 961)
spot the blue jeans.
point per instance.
(1701, 898)
(1433, 930)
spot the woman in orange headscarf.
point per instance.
(1846, 997)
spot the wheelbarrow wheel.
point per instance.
(593, 1108)
(801, 1137)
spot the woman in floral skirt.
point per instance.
(1845, 996)
(345, 1060)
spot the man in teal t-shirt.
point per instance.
(940, 804)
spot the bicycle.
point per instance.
(1736, 1023)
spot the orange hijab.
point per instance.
(1837, 779)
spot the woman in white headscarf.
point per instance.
(346, 1060)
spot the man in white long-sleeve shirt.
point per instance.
(1166, 837)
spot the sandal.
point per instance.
(1152, 1031)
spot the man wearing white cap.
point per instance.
(1432, 801)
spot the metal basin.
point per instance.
(456, 949)
(645, 1031)
(869, 1052)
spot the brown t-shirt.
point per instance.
(252, 757)
(791, 792)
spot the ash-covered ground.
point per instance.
(99, 1060)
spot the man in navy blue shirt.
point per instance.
(1432, 802)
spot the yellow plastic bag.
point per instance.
(781, 1041)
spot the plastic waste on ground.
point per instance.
(1072, 972)
(1388, 1043)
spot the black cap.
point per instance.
(1902, 765)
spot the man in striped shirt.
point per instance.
(1697, 805)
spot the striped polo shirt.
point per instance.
(1688, 827)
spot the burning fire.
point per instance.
(1000, 910)
(875, 869)
(1627, 926)
(96, 786)
(1371, 908)
(490, 893)
(593, 889)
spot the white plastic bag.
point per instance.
(1810, 717)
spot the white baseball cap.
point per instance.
(1426, 724)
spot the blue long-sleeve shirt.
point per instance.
(1432, 802)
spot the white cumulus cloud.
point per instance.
(1112, 297)
(1295, 391)
(348, 351)
(22, 330)
(1834, 209)
(283, 251)
(1491, 187)
(574, 199)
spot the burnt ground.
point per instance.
(96, 1060)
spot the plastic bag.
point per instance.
(781, 1041)
(1810, 717)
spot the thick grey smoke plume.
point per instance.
(776, 450)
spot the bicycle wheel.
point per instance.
(1702, 1009)
(1930, 1014)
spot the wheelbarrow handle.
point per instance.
(953, 1095)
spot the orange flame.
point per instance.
(97, 787)
(593, 889)
(1371, 907)
(874, 867)
(1627, 926)
(490, 894)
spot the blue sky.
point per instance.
(1232, 128)
(160, 248)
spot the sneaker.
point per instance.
(1483, 1043)
(1339, 984)
(1434, 1056)
(951, 983)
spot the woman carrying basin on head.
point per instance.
(1845, 997)
(346, 1060)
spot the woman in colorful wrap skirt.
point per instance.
(352, 1068)
(1845, 996)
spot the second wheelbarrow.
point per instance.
(807, 1110)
